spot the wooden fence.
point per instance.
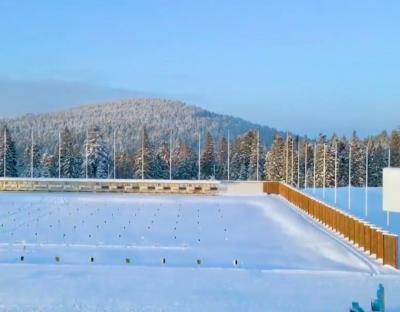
(376, 242)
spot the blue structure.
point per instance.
(378, 305)
(355, 307)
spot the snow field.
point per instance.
(143, 230)
(285, 261)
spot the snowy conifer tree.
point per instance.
(184, 163)
(343, 162)
(395, 148)
(330, 160)
(147, 164)
(96, 154)
(254, 154)
(69, 158)
(48, 165)
(319, 162)
(376, 162)
(357, 161)
(207, 159)
(27, 163)
(162, 162)
(221, 160)
(122, 166)
(274, 168)
(8, 155)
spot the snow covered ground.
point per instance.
(91, 252)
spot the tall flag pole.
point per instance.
(287, 156)
(292, 167)
(87, 153)
(387, 212)
(5, 152)
(115, 160)
(170, 156)
(199, 159)
(32, 153)
(258, 151)
(324, 177)
(298, 163)
(336, 165)
(315, 165)
(305, 165)
(229, 155)
(366, 180)
(143, 153)
(59, 156)
(349, 189)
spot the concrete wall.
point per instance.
(239, 187)
(110, 186)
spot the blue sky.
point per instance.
(305, 66)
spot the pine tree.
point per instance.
(254, 157)
(184, 163)
(343, 162)
(377, 160)
(395, 148)
(243, 149)
(207, 159)
(122, 166)
(69, 158)
(48, 165)
(319, 162)
(31, 162)
(144, 168)
(305, 165)
(96, 154)
(221, 159)
(330, 161)
(357, 161)
(290, 160)
(8, 155)
(274, 168)
(162, 162)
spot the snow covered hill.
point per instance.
(161, 117)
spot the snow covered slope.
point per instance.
(110, 249)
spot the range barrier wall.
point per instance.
(376, 242)
(109, 186)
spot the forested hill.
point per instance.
(126, 117)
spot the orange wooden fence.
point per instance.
(378, 243)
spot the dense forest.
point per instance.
(162, 118)
(303, 162)
(149, 161)
(161, 139)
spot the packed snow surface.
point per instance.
(120, 252)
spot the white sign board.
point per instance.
(391, 189)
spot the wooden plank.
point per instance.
(390, 254)
(367, 236)
(361, 234)
(379, 254)
(374, 241)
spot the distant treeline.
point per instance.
(300, 162)
(95, 159)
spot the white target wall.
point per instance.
(391, 189)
